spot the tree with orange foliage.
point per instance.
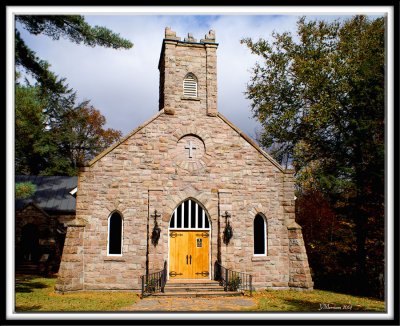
(83, 134)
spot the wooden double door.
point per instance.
(189, 254)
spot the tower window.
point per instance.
(190, 85)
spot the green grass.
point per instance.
(37, 294)
(315, 301)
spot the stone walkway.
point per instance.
(216, 304)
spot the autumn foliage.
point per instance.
(320, 97)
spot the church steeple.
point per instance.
(188, 74)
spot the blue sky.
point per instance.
(123, 84)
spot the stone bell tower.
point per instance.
(188, 74)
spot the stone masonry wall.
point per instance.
(123, 179)
(71, 271)
(299, 271)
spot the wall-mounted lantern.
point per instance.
(228, 232)
(155, 235)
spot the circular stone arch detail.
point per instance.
(193, 131)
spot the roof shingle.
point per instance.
(52, 193)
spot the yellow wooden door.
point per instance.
(178, 242)
(189, 254)
(199, 253)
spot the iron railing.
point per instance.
(154, 282)
(233, 280)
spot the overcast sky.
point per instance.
(123, 84)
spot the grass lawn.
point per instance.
(315, 301)
(34, 293)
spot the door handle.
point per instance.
(190, 259)
(186, 259)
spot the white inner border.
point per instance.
(239, 10)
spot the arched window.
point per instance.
(189, 215)
(115, 234)
(190, 85)
(260, 235)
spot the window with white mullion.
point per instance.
(190, 213)
(197, 216)
(183, 215)
(175, 217)
(178, 217)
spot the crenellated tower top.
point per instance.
(171, 35)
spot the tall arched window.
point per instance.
(115, 234)
(190, 85)
(260, 235)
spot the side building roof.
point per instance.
(52, 193)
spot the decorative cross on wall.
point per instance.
(228, 232)
(190, 147)
(155, 235)
(155, 215)
(227, 216)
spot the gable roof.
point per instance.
(52, 193)
(219, 115)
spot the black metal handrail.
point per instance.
(233, 280)
(154, 282)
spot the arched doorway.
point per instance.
(30, 242)
(189, 242)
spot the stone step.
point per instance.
(196, 294)
(186, 283)
(33, 267)
(193, 285)
(194, 288)
(27, 269)
(170, 288)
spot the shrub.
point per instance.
(234, 283)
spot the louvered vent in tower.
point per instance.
(190, 86)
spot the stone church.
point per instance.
(191, 175)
